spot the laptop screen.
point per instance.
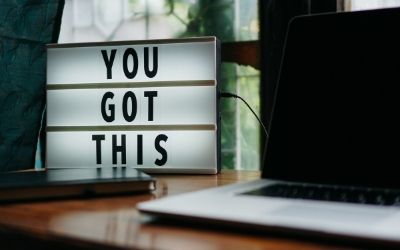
(336, 117)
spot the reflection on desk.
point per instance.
(114, 222)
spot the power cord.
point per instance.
(231, 95)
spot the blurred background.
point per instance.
(106, 20)
(229, 20)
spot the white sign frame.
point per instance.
(197, 74)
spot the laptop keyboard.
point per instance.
(331, 193)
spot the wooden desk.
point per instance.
(114, 223)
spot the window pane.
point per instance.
(229, 20)
(352, 5)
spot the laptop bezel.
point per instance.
(266, 164)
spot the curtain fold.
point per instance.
(26, 26)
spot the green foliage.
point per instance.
(217, 18)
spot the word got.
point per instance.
(129, 102)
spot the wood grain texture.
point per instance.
(114, 223)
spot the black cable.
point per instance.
(231, 95)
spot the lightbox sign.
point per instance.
(147, 104)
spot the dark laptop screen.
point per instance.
(337, 112)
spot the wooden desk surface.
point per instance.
(114, 223)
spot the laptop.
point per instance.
(333, 150)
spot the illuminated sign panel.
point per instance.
(146, 104)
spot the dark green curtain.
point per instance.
(25, 27)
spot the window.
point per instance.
(352, 5)
(229, 20)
